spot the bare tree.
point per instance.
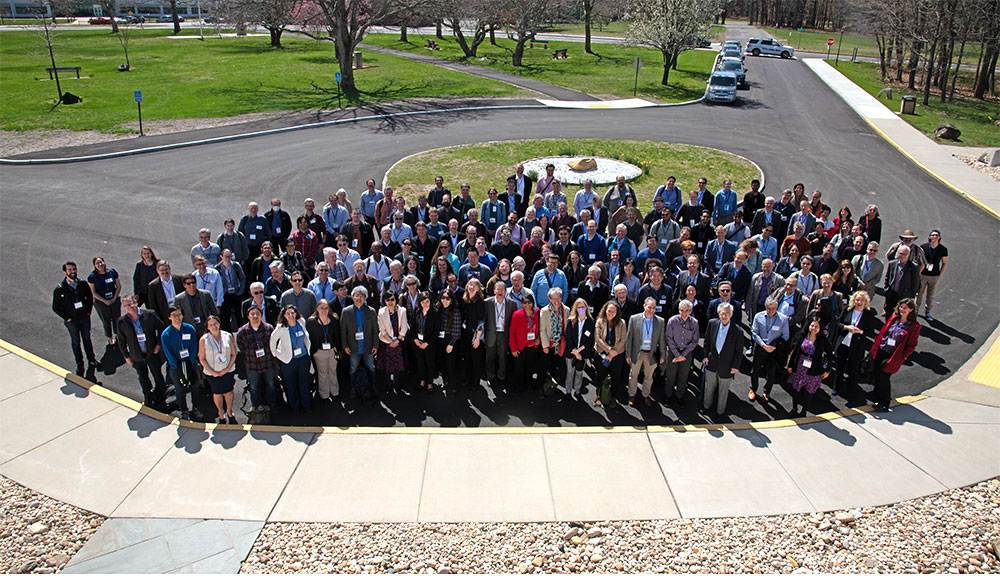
(525, 18)
(668, 25)
(124, 35)
(272, 15)
(589, 7)
(479, 16)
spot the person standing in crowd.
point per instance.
(267, 304)
(895, 342)
(869, 269)
(579, 346)
(106, 288)
(303, 300)
(682, 339)
(179, 342)
(449, 333)
(770, 332)
(902, 279)
(254, 339)
(139, 343)
(205, 248)
(290, 345)
(936, 258)
(723, 357)
(807, 364)
(498, 314)
(763, 284)
(162, 290)
(369, 198)
(645, 348)
(73, 301)
(423, 343)
(234, 241)
(217, 356)
(857, 324)
(609, 345)
(281, 224)
(335, 215)
(255, 229)
(392, 330)
(209, 280)
(553, 319)
(473, 326)
(306, 241)
(871, 224)
(524, 344)
(260, 268)
(323, 336)
(144, 273)
(197, 305)
(234, 284)
(359, 337)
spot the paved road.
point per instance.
(788, 122)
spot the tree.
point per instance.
(525, 18)
(124, 35)
(460, 15)
(272, 15)
(588, 15)
(668, 25)
(347, 22)
(173, 13)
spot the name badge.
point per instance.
(929, 268)
(420, 336)
(593, 256)
(312, 220)
(197, 319)
(891, 341)
(807, 362)
(184, 353)
(441, 334)
(111, 280)
(77, 305)
(493, 220)
(647, 344)
(531, 336)
(784, 217)
(499, 327)
(231, 290)
(253, 236)
(297, 352)
(141, 338)
(185, 336)
(326, 346)
(591, 308)
(775, 328)
(691, 223)
(586, 332)
(700, 244)
(222, 359)
(259, 227)
(354, 243)
(574, 290)
(659, 308)
(260, 352)
(421, 257)
(277, 230)
(359, 336)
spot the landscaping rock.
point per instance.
(947, 132)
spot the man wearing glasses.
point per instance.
(257, 298)
(869, 268)
(196, 305)
(303, 300)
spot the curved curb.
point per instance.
(371, 430)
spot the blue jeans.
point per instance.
(369, 361)
(80, 330)
(268, 395)
(296, 375)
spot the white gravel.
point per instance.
(949, 532)
(606, 172)
(973, 161)
(38, 535)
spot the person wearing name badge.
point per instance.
(525, 345)
(936, 262)
(770, 333)
(335, 216)
(595, 292)
(323, 349)
(260, 268)
(857, 325)
(209, 280)
(392, 330)
(143, 274)
(179, 342)
(303, 300)
(206, 248)
(579, 341)
(473, 326)
(255, 228)
(807, 364)
(448, 333)
(423, 343)
(197, 305)
(138, 332)
(163, 290)
(682, 339)
(290, 344)
(499, 312)
(72, 300)
(609, 347)
(645, 349)
(723, 358)
(217, 356)
(281, 224)
(553, 319)
(106, 287)
(293, 261)
(493, 211)
(234, 284)
(895, 342)
(254, 340)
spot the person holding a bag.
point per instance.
(423, 342)
(807, 364)
(553, 321)
(524, 343)
(473, 322)
(893, 345)
(609, 343)
(857, 324)
(579, 340)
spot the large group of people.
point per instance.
(529, 290)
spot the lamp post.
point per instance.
(201, 23)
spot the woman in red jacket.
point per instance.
(524, 344)
(893, 345)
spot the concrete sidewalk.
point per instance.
(934, 158)
(93, 449)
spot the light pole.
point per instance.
(201, 23)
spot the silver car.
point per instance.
(721, 87)
(734, 65)
(758, 46)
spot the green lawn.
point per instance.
(187, 78)
(489, 164)
(815, 41)
(609, 73)
(617, 30)
(975, 118)
(32, 21)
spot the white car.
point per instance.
(758, 46)
(721, 87)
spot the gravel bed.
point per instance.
(973, 161)
(38, 535)
(950, 532)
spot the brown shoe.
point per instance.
(752, 396)
(647, 401)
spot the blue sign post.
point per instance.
(138, 102)
(337, 78)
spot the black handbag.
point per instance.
(868, 365)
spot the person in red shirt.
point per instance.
(524, 344)
(893, 345)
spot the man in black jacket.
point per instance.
(72, 301)
(723, 358)
(139, 342)
(162, 291)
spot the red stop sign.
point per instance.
(829, 41)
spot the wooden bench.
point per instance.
(431, 45)
(542, 43)
(559, 54)
(51, 71)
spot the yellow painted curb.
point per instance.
(936, 176)
(988, 370)
(166, 418)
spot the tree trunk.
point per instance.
(667, 58)
(983, 76)
(493, 35)
(899, 59)
(588, 7)
(518, 55)
(460, 38)
(880, 43)
(929, 75)
(958, 66)
(402, 32)
(438, 30)
(52, 57)
(276, 36)
(914, 60)
(173, 13)
(345, 49)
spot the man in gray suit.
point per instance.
(645, 348)
(902, 279)
(869, 269)
(792, 304)
(499, 310)
(196, 305)
(359, 337)
(723, 358)
(763, 284)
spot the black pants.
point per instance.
(616, 370)
(108, 315)
(229, 314)
(883, 388)
(474, 360)
(767, 364)
(423, 363)
(448, 363)
(525, 368)
(153, 392)
(555, 366)
(846, 373)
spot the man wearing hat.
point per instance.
(907, 238)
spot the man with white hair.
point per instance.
(584, 199)
(902, 279)
(595, 292)
(337, 268)
(359, 338)
(723, 358)
(278, 281)
(369, 283)
(255, 228)
(517, 287)
(268, 304)
(682, 339)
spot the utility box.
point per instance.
(908, 105)
(357, 60)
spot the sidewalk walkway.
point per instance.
(934, 158)
(93, 449)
